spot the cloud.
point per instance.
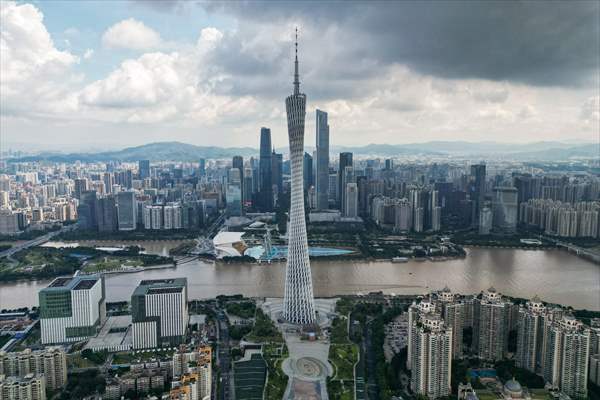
(131, 34)
(34, 75)
(375, 80)
(146, 81)
(542, 44)
(590, 110)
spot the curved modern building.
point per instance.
(298, 302)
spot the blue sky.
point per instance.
(83, 75)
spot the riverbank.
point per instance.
(555, 275)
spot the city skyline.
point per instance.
(202, 82)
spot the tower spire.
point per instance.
(296, 74)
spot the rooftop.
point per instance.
(77, 282)
(158, 286)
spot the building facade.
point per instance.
(159, 312)
(72, 309)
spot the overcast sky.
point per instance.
(83, 75)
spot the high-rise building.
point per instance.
(322, 161)
(477, 190)
(505, 209)
(86, 210)
(238, 162)
(144, 169)
(277, 172)
(265, 193)
(50, 362)
(106, 214)
(431, 356)
(159, 313)
(29, 387)
(233, 193)
(345, 161)
(81, 185)
(454, 312)
(248, 185)
(485, 220)
(351, 200)
(491, 326)
(347, 178)
(109, 180)
(72, 308)
(193, 361)
(298, 302)
(202, 167)
(308, 171)
(567, 356)
(127, 211)
(530, 335)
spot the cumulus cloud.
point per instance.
(35, 76)
(131, 34)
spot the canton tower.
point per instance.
(298, 302)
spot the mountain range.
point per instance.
(177, 151)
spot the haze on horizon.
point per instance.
(78, 75)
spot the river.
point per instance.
(554, 275)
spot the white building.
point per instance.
(567, 356)
(159, 313)
(431, 356)
(72, 309)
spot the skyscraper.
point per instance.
(298, 302)
(238, 162)
(265, 193)
(351, 200)
(202, 167)
(431, 356)
(144, 169)
(530, 335)
(491, 326)
(567, 355)
(127, 211)
(345, 161)
(322, 160)
(308, 171)
(277, 172)
(477, 191)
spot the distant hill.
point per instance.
(160, 151)
(177, 151)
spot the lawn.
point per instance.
(343, 357)
(110, 263)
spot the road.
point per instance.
(371, 363)
(36, 242)
(212, 230)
